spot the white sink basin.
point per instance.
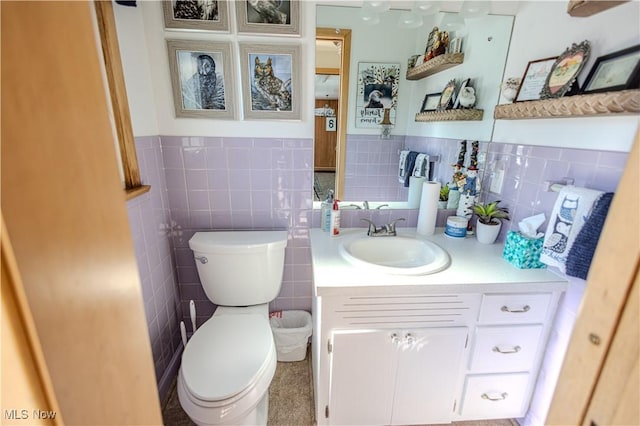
(395, 255)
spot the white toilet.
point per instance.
(229, 362)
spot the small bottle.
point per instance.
(335, 220)
(325, 215)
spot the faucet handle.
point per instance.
(392, 225)
(372, 226)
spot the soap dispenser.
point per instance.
(325, 215)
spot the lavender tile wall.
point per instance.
(239, 184)
(149, 219)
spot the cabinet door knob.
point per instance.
(512, 350)
(525, 308)
(395, 339)
(500, 397)
(409, 339)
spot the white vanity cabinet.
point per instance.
(451, 346)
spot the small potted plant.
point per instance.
(444, 196)
(490, 217)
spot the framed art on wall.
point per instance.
(615, 71)
(377, 89)
(202, 79)
(209, 15)
(270, 81)
(533, 79)
(268, 17)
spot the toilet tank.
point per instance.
(240, 268)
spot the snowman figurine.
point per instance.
(467, 97)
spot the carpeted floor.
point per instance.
(290, 400)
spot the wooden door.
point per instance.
(600, 379)
(325, 140)
(66, 218)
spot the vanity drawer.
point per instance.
(503, 349)
(514, 308)
(495, 396)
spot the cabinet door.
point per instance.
(429, 362)
(363, 367)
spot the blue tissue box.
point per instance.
(523, 252)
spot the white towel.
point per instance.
(421, 168)
(570, 212)
(402, 166)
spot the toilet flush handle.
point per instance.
(202, 259)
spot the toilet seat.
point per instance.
(226, 356)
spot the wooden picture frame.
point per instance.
(534, 78)
(447, 96)
(283, 19)
(565, 70)
(616, 71)
(216, 18)
(270, 81)
(431, 102)
(202, 79)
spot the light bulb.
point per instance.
(474, 8)
(426, 7)
(409, 20)
(452, 22)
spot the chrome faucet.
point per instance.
(388, 230)
(365, 205)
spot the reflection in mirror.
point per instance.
(370, 168)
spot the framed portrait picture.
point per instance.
(209, 15)
(447, 96)
(377, 89)
(464, 84)
(430, 102)
(268, 17)
(533, 79)
(615, 71)
(565, 71)
(202, 79)
(270, 81)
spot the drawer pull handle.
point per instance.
(513, 350)
(501, 397)
(525, 308)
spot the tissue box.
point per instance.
(523, 252)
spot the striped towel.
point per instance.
(421, 168)
(402, 166)
(573, 206)
(581, 254)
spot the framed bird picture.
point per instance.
(377, 90)
(202, 79)
(208, 15)
(268, 17)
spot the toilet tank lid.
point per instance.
(237, 241)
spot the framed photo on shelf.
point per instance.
(208, 15)
(202, 79)
(447, 96)
(269, 17)
(270, 81)
(533, 79)
(565, 70)
(615, 71)
(464, 84)
(430, 102)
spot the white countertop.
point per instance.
(474, 267)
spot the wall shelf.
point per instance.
(607, 103)
(435, 65)
(450, 115)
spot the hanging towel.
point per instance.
(581, 254)
(421, 169)
(402, 166)
(411, 163)
(570, 212)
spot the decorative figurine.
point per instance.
(510, 88)
(467, 97)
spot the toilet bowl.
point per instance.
(228, 363)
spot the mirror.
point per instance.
(370, 167)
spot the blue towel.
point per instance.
(411, 163)
(581, 254)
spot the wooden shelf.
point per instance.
(435, 65)
(450, 115)
(607, 103)
(584, 8)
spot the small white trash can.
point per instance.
(291, 332)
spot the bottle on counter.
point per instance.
(335, 219)
(325, 215)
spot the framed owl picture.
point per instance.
(208, 15)
(202, 79)
(270, 81)
(280, 17)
